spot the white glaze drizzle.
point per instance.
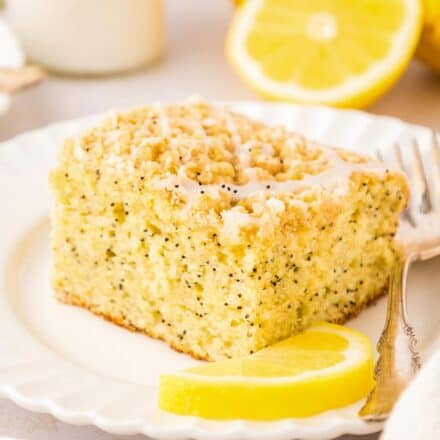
(232, 127)
(242, 152)
(163, 121)
(267, 149)
(338, 171)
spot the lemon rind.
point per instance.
(358, 92)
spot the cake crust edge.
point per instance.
(74, 300)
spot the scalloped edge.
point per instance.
(325, 426)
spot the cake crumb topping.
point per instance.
(211, 144)
(211, 156)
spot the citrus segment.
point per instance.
(328, 366)
(336, 52)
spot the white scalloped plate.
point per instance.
(62, 360)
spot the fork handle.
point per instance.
(398, 359)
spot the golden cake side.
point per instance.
(164, 223)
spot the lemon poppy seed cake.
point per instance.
(217, 233)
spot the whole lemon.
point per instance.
(429, 47)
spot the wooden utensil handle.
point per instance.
(13, 80)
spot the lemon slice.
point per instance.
(429, 47)
(328, 366)
(336, 52)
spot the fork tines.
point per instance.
(422, 167)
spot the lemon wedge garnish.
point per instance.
(327, 366)
(336, 52)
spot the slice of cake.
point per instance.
(218, 233)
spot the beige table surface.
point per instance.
(194, 63)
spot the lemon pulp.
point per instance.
(336, 52)
(328, 366)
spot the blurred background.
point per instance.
(160, 51)
(192, 62)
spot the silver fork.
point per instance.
(420, 233)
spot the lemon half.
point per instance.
(429, 47)
(336, 52)
(328, 366)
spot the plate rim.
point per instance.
(283, 429)
(56, 125)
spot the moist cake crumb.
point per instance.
(218, 233)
